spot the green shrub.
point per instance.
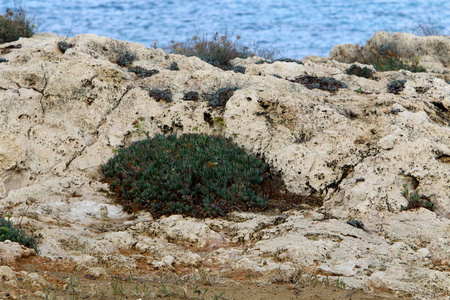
(15, 24)
(2, 60)
(415, 200)
(324, 83)
(9, 232)
(193, 174)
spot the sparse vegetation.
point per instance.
(2, 60)
(428, 28)
(15, 24)
(193, 174)
(415, 200)
(324, 83)
(218, 50)
(9, 232)
(387, 59)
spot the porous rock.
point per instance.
(10, 252)
(432, 51)
(62, 115)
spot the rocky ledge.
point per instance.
(63, 110)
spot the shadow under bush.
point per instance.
(193, 174)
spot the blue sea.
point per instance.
(295, 28)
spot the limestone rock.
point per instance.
(431, 50)
(35, 280)
(10, 252)
(8, 277)
(63, 115)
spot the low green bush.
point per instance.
(9, 232)
(15, 24)
(193, 174)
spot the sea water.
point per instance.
(294, 27)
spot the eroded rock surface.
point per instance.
(61, 116)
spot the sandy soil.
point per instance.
(66, 282)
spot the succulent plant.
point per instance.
(193, 174)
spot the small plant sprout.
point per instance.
(219, 122)
(415, 200)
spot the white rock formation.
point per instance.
(61, 116)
